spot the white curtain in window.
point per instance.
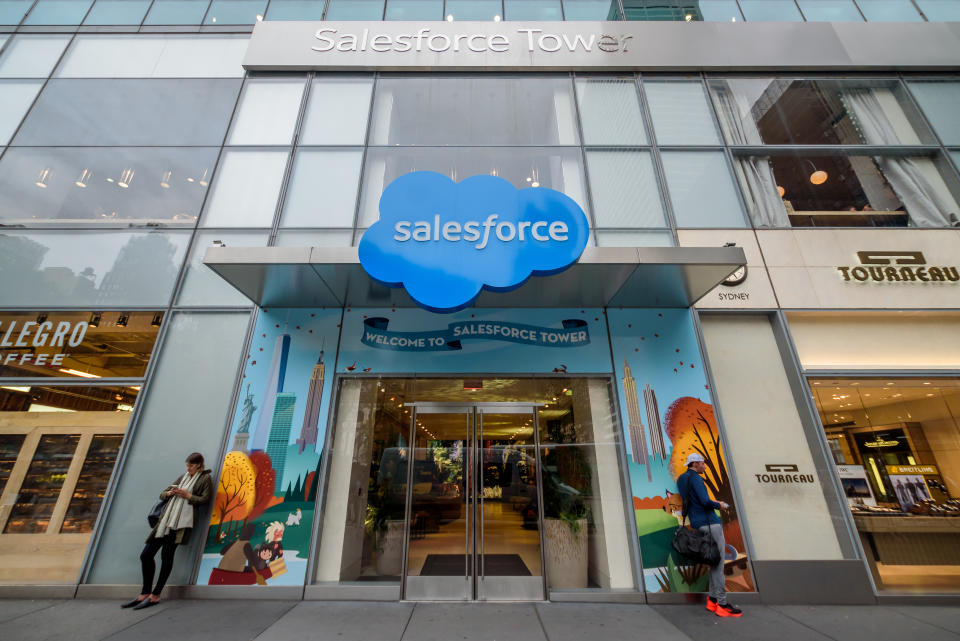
(914, 185)
(733, 109)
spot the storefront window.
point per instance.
(896, 445)
(58, 447)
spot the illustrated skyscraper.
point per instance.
(657, 445)
(308, 432)
(274, 386)
(280, 425)
(246, 417)
(638, 441)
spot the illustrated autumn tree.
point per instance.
(692, 427)
(237, 491)
(264, 484)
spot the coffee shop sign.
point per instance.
(526, 38)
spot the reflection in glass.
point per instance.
(164, 184)
(532, 10)
(447, 111)
(41, 487)
(323, 188)
(177, 12)
(268, 110)
(119, 12)
(889, 11)
(896, 443)
(204, 287)
(414, 10)
(552, 167)
(770, 10)
(355, 10)
(701, 189)
(235, 11)
(85, 268)
(337, 111)
(32, 56)
(624, 189)
(680, 113)
(246, 189)
(474, 9)
(295, 10)
(9, 449)
(56, 12)
(591, 10)
(830, 11)
(610, 111)
(92, 484)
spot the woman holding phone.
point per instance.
(183, 497)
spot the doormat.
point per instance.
(494, 564)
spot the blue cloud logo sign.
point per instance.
(445, 241)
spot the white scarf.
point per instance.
(178, 513)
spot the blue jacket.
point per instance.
(700, 508)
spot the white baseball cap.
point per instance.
(694, 458)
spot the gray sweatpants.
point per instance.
(718, 588)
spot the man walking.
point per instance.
(704, 518)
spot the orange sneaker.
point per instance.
(711, 604)
(727, 610)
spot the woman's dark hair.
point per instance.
(196, 459)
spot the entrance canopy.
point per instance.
(603, 277)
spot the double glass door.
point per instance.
(473, 520)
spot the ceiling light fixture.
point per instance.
(94, 319)
(818, 177)
(123, 319)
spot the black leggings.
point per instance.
(167, 546)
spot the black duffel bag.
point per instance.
(694, 545)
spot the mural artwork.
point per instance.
(260, 526)
(667, 414)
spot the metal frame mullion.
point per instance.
(588, 191)
(658, 171)
(363, 158)
(291, 159)
(539, 476)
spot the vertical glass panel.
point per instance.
(770, 10)
(15, 98)
(473, 9)
(9, 450)
(555, 168)
(268, 111)
(474, 110)
(107, 12)
(92, 484)
(235, 11)
(102, 112)
(533, 10)
(817, 112)
(177, 12)
(12, 11)
(54, 12)
(295, 10)
(681, 115)
(940, 10)
(625, 193)
(355, 10)
(701, 189)
(889, 11)
(414, 10)
(55, 268)
(940, 102)
(107, 185)
(634, 239)
(154, 56)
(198, 367)
(32, 56)
(41, 487)
(246, 189)
(720, 11)
(337, 111)
(830, 10)
(610, 111)
(203, 286)
(323, 188)
(591, 10)
(661, 10)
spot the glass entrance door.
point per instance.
(474, 517)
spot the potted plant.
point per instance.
(566, 516)
(386, 531)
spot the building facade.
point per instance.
(768, 276)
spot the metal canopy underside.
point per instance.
(603, 277)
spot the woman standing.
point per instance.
(181, 511)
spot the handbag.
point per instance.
(153, 517)
(695, 545)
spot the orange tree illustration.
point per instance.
(236, 493)
(692, 427)
(264, 485)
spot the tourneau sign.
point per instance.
(445, 241)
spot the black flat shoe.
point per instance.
(132, 604)
(146, 603)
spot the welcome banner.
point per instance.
(574, 333)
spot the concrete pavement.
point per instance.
(223, 620)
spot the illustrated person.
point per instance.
(273, 538)
(701, 510)
(183, 497)
(238, 554)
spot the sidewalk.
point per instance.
(80, 620)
